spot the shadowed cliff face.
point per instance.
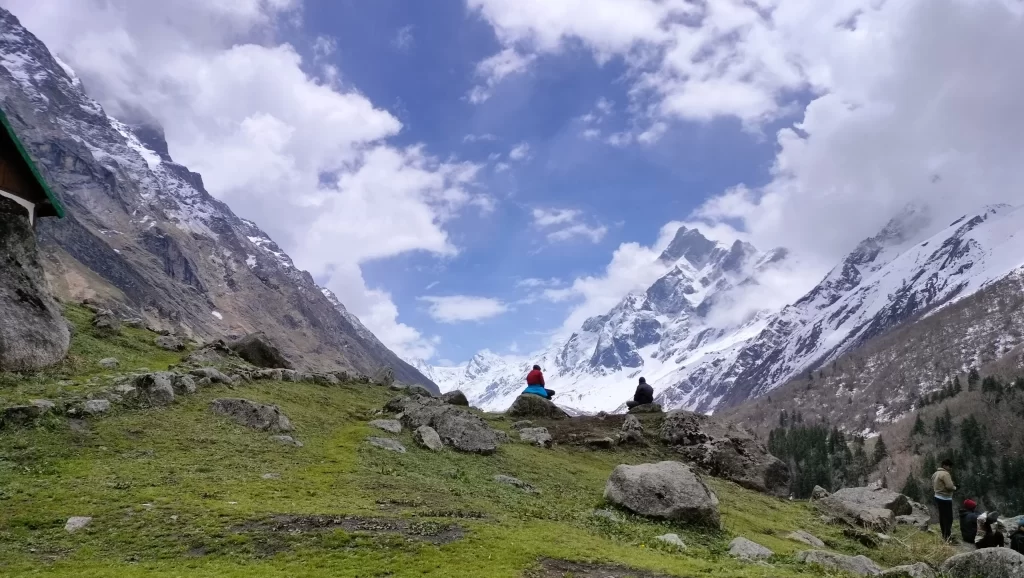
(144, 232)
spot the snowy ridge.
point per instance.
(672, 336)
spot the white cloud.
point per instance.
(458, 308)
(549, 217)
(565, 225)
(501, 167)
(239, 107)
(494, 69)
(520, 152)
(403, 40)
(486, 137)
(594, 234)
(324, 46)
(534, 282)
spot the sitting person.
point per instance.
(643, 396)
(969, 521)
(989, 535)
(535, 384)
(1017, 538)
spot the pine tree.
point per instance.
(957, 388)
(973, 377)
(912, 489)
(880, 450)
(919, 428)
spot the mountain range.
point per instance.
(143, 235)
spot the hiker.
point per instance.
(989, 535)
(1017, 538)
(942, 484)
(535, 384)
(969, 521)
(644, 395)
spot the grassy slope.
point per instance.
(169, 488)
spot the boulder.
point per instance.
(537, 436)
(858, 565)
(604, 443)
(632, 423)
(325, 379)
(268, 375)
(455, 398)
(665, 490)
(458, 427)
(216, 353)
(170, 343)
(726, 451)
(251, 414)
(18, 415)
(389, 425)
(288, 441)
(33, 333)
(259, 350)
(96, 406)
(426, 437)
(646, 408)
(989, 563)
(183, 385)
(44, 405)
(510, 481)
(387, 444)
(155, 388)
(819, 493)
(105, 320)
(76, 523)
(806, 538)
(876, 498)
(920, 517)
(522, 424)
(385, 376)
(671, 540)
(109, 363)
(535, 406)
(919, 570)
(211, 373)
(745, 549)
(874, 508)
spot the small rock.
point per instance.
(672, 540)
(211, 373)
(600, 443)
(510, 481)
(96, 406)
(388, 425)
(169, 342)
(251, 414)
(271, 476)
(426, 437)
(287, 440)
(183, 385)
(806, 538)
(109, 363)
(819, 493)
(859, 565)
(745, 549)
(44, 405)
(919, 570)
(455, 398)
(76, 523)
(537, 436)
(522, 424)
(387, 444)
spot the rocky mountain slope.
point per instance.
(911, 269)
(145, 236)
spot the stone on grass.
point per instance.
(387, 444)
(388, 425)
(211, 373)
(170, 343)
(458, 427)
(155, 388)
(183, 385)
(665, 490)
(455, 398)
(522, 424)
(879, 498)
(76, 523)
(251, 414)
(106, 321)
(20, 415)
(97, 406)
(426, 437)
(632, 423)
(287, 440)
(384, 376)
(109, 363)
(987, 563)
(537, 436)
(858, 565)
(819, 493)
(919, 570)
(806, 538)
(45, 406)
(646, 408)
(608, 515)
(604, 443)
(271, 476)
(510, 481)
(260, 350)
(745, 549)
(529, 405)
(672, 540)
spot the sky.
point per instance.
(486, 174)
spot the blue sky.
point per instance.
(418, 60)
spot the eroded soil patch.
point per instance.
(562, 568)
(427, 531)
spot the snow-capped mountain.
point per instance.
(673, 336)
(143, 234)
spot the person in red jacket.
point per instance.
(535, 384)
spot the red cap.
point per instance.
(970, 504)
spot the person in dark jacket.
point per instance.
(989, 535)
(1017, 538)
(969, 521)
(644, 395)
(535, 384)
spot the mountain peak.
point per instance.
(691, 244)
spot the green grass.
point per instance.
(176, 491)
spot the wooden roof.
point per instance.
(20, 177)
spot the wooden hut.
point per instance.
(21, 180)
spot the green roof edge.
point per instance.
(58, 207)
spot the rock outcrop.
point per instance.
(871, 507)
(726, 451)
(33, 333)
(252, 414)
(646, 408)
(990, 563)
(260, 350)
(455, 398)
(535, 406)
(389, 425)
(664, 490)
(458, 427)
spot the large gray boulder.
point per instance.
(155, 388)
(458, 427)
(745, 549)
(33, 332)
(858, 565)
(426, 437)
(251, 414)
(260, 350)
(987, 563)
(535, 406)
(455, 398)
(665, 490)
(872, 507)
(725, 451)
(537, 436)
(919, 570)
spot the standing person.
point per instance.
(942, 484)
(989, 535)
(1017, 538)
(535, 384)
(969, 521)
(644, 395)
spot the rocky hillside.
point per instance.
(674, 333)
(144, 236)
